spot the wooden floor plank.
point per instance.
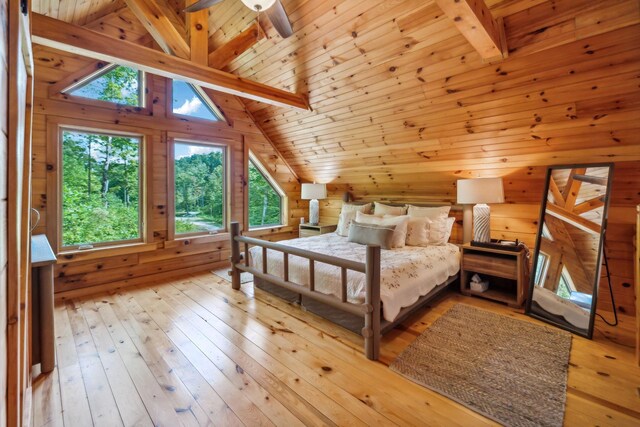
(154, 345)
(74, 403)
(244, 409)
(104, 410)
(195, 352)
(130, 405)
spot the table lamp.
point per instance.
(479, 192)
(313, 192)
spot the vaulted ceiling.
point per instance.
(396, 89)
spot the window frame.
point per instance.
(284, 200)
(225, 145)
(54, 210)
(205, 98)
(143, 90)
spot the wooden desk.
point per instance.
(43, 335)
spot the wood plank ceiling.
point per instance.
(396, 88)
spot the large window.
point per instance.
(265, 198)
(191, 101)
(101, 188)
(199, 187)
(114, 83)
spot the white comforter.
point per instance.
(407, 273)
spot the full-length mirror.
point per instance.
(570, 245)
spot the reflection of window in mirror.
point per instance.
(541, 268)
(566, 286)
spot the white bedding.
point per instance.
(406, 273)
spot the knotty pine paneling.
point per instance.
(4, 96)
(85, 269)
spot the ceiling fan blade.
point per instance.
(279, 19)
(199, 5)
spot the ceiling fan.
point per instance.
(273, 8)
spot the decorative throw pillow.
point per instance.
(449, 228)
(371, 234)
(418, 231)
(348, 214)
(380, 209)
(400, 222)
(438, 235)
(428, 212)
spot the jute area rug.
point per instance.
(509, 370)
(224, 274)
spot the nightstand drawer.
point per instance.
(492, 265)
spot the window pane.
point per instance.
(188, 102)
(120, 85)
(199, 187)
(100, 188)
(265, 204)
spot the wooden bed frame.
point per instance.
(374, 325)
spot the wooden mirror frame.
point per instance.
(532, 279)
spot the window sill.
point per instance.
(261, 231)
(197, 239)
(74, 255)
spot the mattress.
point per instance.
(558, 306)
(406, 273)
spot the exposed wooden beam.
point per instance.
(157, 23)
(198, 32)
(555, 191)
(572, 188)
(589, 205)
(71, 38)
(235, 47)
(573, 219)
(475, 22)
(598, 180)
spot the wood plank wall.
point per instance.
(102, 267)
(4, 72)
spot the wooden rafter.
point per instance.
(71, 38)
(198, 34)
(589, 205)
(235, 47)
(571, 190)
(573, 219)
(475, 22)
(555, 191)
(154, 19)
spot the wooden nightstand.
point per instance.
(307, 230)
(505, 271)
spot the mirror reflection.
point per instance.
(569, 247)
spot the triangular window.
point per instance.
(114, 83)
(266, 198)
(191, 101)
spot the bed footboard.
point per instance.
(371, 268)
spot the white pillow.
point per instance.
(348, 214)
(380, 209)
(418, 231)
(431, 213)
(400, 221)
(365, 218)
(449, 228)
(400, 233)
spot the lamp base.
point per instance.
(314, 212)
(481, 223)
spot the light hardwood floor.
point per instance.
(194, 352)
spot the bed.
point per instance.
(362, 288)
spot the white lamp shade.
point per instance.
(314, 191)
(480, 190)
(258, 5)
